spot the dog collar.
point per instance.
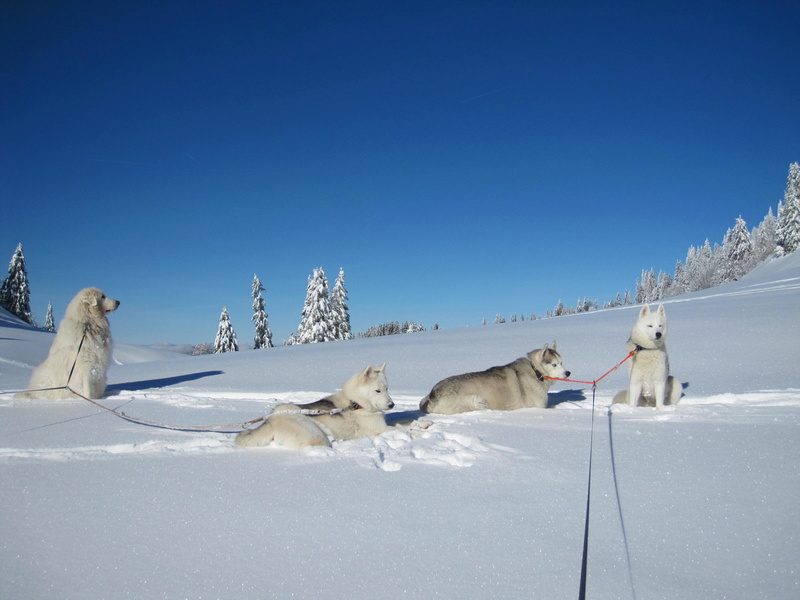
(539, 375)
(355, 406)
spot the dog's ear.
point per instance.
(368, 371)
(645, 310)
(553, 346)
(661, 310)
(382, 368)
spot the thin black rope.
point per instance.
(77, 354)
(619, 506)
(585, 560)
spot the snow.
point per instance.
(694, 501)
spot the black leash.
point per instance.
(585, 561)
(619, 505)
(75, 362)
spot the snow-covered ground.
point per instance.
(695, 501)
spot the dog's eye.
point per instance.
(378, 392)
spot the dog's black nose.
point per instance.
(391, 404)
(658, 335)
(567, 374)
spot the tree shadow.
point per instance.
(146, 384)
(556, 398)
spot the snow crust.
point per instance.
(695, 501)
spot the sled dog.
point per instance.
(650, 383)
(354, 412)
(520, 384)
(83, 339)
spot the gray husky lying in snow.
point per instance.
(520, 384)
(354, 412)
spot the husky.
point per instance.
(520, 384)
(650, 382)
(354, 412)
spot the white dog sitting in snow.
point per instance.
(80, 352)
(650, 382)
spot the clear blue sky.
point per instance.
(458, 159)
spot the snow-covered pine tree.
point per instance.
(788, 229)
(679, 283)
(764, 238)
(663, 286)
(646, 287)
(15, 293)
(703, 274)
(226, 337)
(317, 322)
(340, 310)
(263, 336)
(738, 253)
(49, 323)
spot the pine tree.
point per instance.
(788, 229)
(679, 282)
(646, 287)
(765, 238)
(738, 253)
(226, 337)
(663, 287)
(49, 323)
(317, 321)
(15, 293)
(340, 310)
(263, 336)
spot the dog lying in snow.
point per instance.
(354, 412)
(520, 384)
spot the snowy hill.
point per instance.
(695, 501)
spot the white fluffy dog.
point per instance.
(83, 340)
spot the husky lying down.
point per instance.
(650, 383)
(520, 384)
(358, 411)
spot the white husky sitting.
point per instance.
(356, 411)
(650, 382)
(523, 383)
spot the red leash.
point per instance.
(596, 381)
